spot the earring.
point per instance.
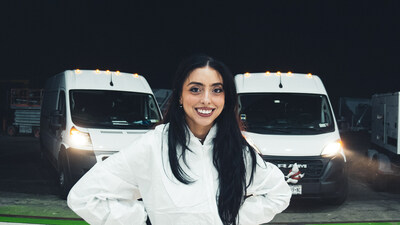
(180, 106)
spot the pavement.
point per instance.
(362, 207)
(28, 194)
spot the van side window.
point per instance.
(61, 108)
(325, 113)
(151, 108)
(61, 102)
(49, 102)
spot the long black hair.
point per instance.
(229, 153)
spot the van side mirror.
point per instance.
(56, 120)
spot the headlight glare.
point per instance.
(79, 138)
(332, 149)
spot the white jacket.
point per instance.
(108, 193)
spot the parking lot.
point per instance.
(28, 187)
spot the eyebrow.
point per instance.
(201, 84)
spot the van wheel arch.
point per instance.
(62, 156)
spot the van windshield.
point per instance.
(113, 109)
(282, 113)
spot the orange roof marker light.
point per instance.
(135, 75)
(267, 73)
(97, 71)
(247, 74)
(278, 73)
(289, 74)
(117, 72)
(309, 75)
(107, 71)
(78, 71)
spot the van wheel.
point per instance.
(64, 178)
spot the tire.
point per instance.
(64, 177)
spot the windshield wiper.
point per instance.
(305, 128)
(143, 122)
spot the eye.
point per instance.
(218, 90)
(194, 89)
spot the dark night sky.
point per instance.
(352, 45)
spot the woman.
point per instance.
(196, 168)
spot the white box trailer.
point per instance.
(384, 153)
(289, 119)
(87, 115)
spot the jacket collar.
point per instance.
(209, 138)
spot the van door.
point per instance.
(46, 131)
(58, 117)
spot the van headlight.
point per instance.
(332, 149)
(80, 139)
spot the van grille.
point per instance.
(314, 166)
(133, 132)
(111, 132)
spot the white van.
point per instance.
(87, 115)
(289, 119)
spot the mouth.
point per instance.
(204, 112)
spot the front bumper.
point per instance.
(81, 161)
(323, 177)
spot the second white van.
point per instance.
(289, 119)
(87, 115)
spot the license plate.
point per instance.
(25, 129)
(296, 189)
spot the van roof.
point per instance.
(269, 82)
(100, 80)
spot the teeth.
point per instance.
(203, 111)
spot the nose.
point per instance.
(206, 98)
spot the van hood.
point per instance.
(113, 140)
(291, 145)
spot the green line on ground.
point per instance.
(36, 210)
(372, 223)
(41, 221)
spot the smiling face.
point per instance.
(203, 99)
